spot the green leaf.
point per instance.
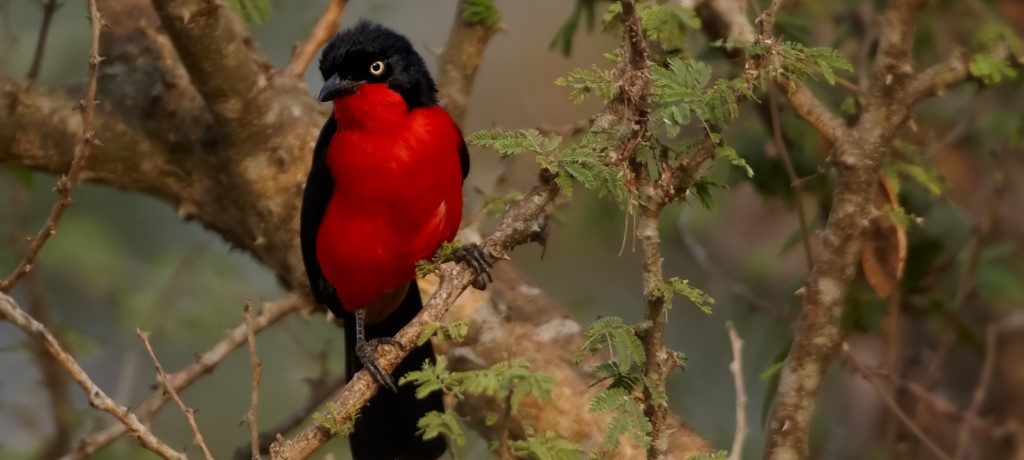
(548, 447)
(667, 24)
(991, 69)
(734, 158)
(508, 143)
(481, 13)
(446, 424)
(253, 11)
(682, 287)
(609, 332)
(585, 82)
(703, 187)
(627, 417)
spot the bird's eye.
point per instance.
(377, 68)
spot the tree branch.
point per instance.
(736, 368)
(82, 152)
(204, 364)
(190, 415)
(324, 29)
(229, 72)
(459, 62)
(256, 373)
(10, 311)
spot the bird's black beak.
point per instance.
(336, 87)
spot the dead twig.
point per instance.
(203, 365)
(794, 181)
(10, 311)
(256, 369)
(324, 29)
(49, 8)
(736, 367)
(980, 392)
(82, 151)
(190, 415)
(892, 404)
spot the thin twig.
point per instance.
(190, 414)
(256, 368)
(893, 405)
(82, 152)
(980, 392)
(794, 180)
(736, 367)
(49, 8)
(324, 29)
(320, 390)
(204, 364)
(10, 311)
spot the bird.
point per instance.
(384, 191)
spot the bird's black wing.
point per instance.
(319, 188)
(463, 156)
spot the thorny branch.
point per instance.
(256, 373)
(204, 364)
(82, 152)
(10, 311)
(190, 414)
(893, 405)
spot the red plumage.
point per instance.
(397, 192)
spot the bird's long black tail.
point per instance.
(386, 428)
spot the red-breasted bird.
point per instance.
(384, 191)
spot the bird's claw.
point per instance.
(367, 353)
(475, 258)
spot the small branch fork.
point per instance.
(190, 414)
(10, 311)
(82, 152)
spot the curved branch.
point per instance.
(324, 29)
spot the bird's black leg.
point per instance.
(475, 258)
(366, 350)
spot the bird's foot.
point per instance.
(475, 258)
(366, 351)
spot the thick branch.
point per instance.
(10, 311)
(216, 48)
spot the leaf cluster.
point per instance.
(624, 367)
(547, 447)
(682, 287)
(446, 253)
(481, 13)
(507, 379)
(452, 332)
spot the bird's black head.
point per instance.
(372, 53)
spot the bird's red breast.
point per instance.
(397, 192)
